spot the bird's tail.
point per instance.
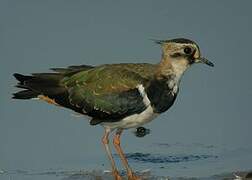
(47, 84)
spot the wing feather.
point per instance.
(106, 93)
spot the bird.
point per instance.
(116, 96)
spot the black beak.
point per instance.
(205, 61)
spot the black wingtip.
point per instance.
(20, 77)
(25, 94)
(17, 75)
(14, 96)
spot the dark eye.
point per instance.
(187, 50)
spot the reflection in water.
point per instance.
(156, 158)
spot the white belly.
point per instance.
(132, 121)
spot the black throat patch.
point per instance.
(160, 95)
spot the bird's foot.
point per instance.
(117, 175)
(131, 176)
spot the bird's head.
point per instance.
(182, 52)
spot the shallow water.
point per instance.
(184, 161)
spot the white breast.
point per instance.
(179, 67)
(135, 120)
(132, 121)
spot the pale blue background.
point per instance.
(213, 107)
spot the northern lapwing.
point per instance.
(116, 96)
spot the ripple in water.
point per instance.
(157, 158)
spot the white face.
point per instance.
(181, 56)
(178, 55)
(182, 51)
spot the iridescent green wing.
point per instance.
(108, 92)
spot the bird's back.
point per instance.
(112, 77)
(106, 92)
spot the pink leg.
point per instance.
(105, 141)
(118, 148)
